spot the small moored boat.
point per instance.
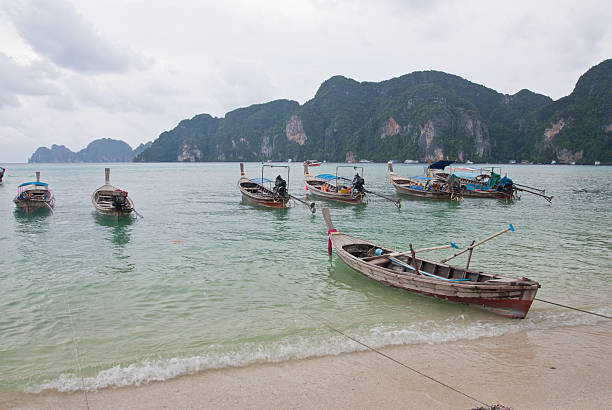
(32, 196)
(334, 188)
(261, 192)
(502, 295)
(312, 163)
(2, 170)
(111, 201)
(432, 187)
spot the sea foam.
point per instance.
(301, 347)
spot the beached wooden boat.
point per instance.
(431, 187)
(111, 201)
(32, 196)
(334, 188)
(499, 294)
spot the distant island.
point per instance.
(418, 116)
(100, 150)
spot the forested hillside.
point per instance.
(422, 115)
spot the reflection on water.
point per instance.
(119, 227)
(32, 222)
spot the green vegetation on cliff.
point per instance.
(427, 114)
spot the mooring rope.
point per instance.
(76, 346)
(573, 308)
(396, 361)
(73, 331)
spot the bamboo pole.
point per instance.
(509, 228)
(467, 265)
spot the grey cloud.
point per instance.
(54, 29)
(16, 79)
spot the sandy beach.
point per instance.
(565, 367)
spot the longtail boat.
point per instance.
(32, 196)
(432, 187)
(312, 163)
(485, 182)
(111, 201)
(334, 188)
(260, 191)
(502, 295)
(480, 183)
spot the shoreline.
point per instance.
(561, 367)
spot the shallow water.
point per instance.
(206, 280)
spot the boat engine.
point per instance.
(280, 186)
(120, 199)
(358, 182)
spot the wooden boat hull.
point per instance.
(35, 201)
(501, 295)
(487, 194)
(507, 300)
(314, 186)
(110, 211)
(28, 205)
(403, 188)
(248, 192)
(106, 197)
(106, 208)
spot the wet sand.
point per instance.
(565, 367)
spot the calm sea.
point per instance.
(205, 280)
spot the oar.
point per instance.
(311, 205)
(530, 187)
(548, 198)
(398, 203)
(509, 228)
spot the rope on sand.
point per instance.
(573, 308)
(397, 361)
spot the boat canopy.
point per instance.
(260, 180)
(466, 174)
(33, 183)
(441, 164)
(326, 176)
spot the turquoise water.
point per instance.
(205, 280)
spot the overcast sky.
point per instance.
(75, 71)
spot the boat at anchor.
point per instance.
(112, 201)
(35, 195)
(506, 296)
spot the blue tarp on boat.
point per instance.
(466, 174)
(260, 180)
(33, 183)
(326, 176)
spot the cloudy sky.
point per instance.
(74, 71)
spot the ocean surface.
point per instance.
(205, 280)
